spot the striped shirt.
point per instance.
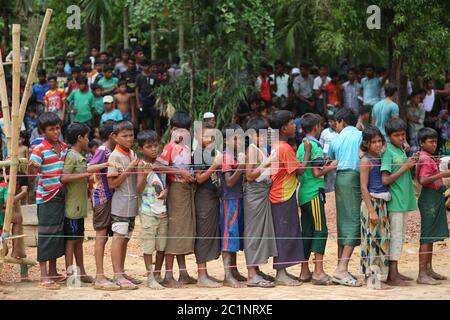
(51, 166)
(100, 191)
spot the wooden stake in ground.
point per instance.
(15, 127)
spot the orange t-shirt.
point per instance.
(333, 95)
(284, 177)
(55, 99)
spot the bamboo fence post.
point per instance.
(5, 105)
(34, 64)
(15, 127)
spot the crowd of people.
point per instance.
(341, 133)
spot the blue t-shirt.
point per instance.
(99, 106)
(383, 111)
(115, 115)
(39, 90)
(371, 90)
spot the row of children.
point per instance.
(236, 202)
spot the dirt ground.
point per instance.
(12, 288)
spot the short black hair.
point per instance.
(51, 77)
(304, 65)
(82, 79)
(347, 115)
(42, 72)
(369, 66)
(122, 126)
(86, 60)
(207, 125)
(48, 119)
(230, 126)
(417, 92)
(99, 61)
(257, 123)
(145, 62)
(426, 133)
(94, 143)
(75, 130)
(280, 118)
(364, 109)
(147, 136)
(181, 120)
(122, 83)
(394, 125)
(352, 69)
(368, 134)
(106, 129)
(279, 62)
(95, 86)
(60, 59)
(322, 66)
(75, 69)
(309, 121)
(390, 89)
(108, 69)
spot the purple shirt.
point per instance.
(101, 192)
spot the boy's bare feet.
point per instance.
(426, 279)
(237, 275)
(397, 282)
(206, 282)
(186, 279)
(284, 279)
(86, 279)
(404, 278)
(436, 276)
(158, 277)
(230, 281)
(305, 276)
(214, 279)
(170, 282)
(153, 284)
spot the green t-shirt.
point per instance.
(83, 102)
(76, 191)
(402, 190)
(108, 84)
(309, 185)
(3, 198)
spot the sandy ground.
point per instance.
(12, 288)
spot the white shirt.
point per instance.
(318, 84)
(428, 101)
(327, 136)
(282, 83)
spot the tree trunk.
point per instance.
(93, 34)
(102, 35)
(152, 39)
(181, 37)
(5, 36)
(401, 81)
(126, 42)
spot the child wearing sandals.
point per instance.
(259, 232)
(374, 218)
(124, 205)
(434, 226)
(311, 200)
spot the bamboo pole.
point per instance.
(5, 105)
(15, 127)
(34, 64)
(7, 163)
